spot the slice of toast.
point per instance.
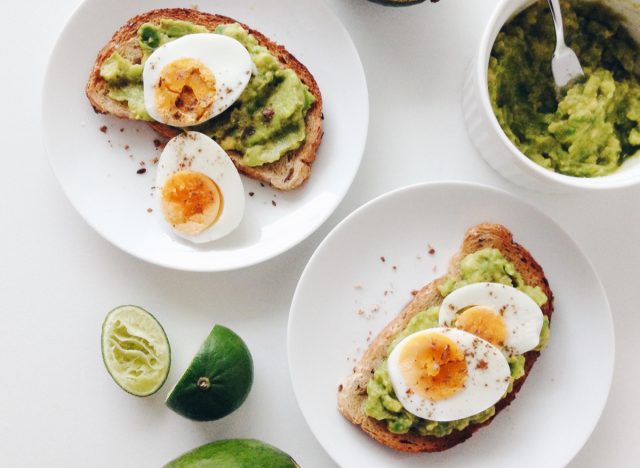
(290, 171)
(352, 393)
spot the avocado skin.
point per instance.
(234, 453)
(400, 3)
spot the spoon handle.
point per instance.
(556, 14)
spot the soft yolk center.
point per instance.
(185, 92)
(433, 366)
(483, 322)
(191, 201)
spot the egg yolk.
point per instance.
(185, 92)
(191, 201)
(483, 322)
(433, 366)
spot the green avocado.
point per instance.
(489, 265)
(486, 265)
(124, 81)
(150, 36)
(587, 129)
(399, 3)
(234, 453)
(265, 123)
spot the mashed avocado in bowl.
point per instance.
(587, 129)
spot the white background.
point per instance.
(58, 407)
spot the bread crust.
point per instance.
(290, 171)
(352, 392)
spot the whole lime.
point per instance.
(218, 379)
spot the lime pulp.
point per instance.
(135, 350)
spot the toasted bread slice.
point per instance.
(290, 171)
(352, 393)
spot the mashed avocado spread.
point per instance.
(486, 265)
(591, 127)
(266, 122)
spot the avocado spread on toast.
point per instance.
(592, 126)
(486, 265)
(266, 122)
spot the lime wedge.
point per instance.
(218, 379)
(135, 350)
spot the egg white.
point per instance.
(522, 316)
(484, 386)
(193, 151)
(228, 60)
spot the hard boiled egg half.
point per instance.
(194, 78)
(500, 314)
(445, 374)
(201, 194)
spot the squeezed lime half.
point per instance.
(135, 350)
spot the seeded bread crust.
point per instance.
(352, 393)
(290, 171)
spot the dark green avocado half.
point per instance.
(399, 3)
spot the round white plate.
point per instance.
(560, 403)
(98, 170)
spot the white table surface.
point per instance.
(58, 406)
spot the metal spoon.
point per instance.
(565, 65)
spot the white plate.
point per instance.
(100, 178)
(560, 403)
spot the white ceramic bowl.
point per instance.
(489, 138)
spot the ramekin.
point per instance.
(491, 141)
